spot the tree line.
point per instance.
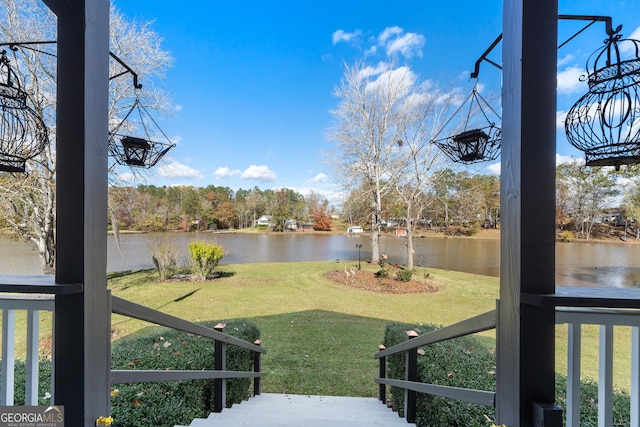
(188, 208)
(460, 198)
(584, 197)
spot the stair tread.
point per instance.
(270, 410)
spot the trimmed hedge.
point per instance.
(176, 402)
(463, 362)
(466, 362)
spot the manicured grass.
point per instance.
(320, 336)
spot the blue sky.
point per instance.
(252, 81)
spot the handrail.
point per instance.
(143, 376)
(221, 340)
(480, 323)
(480, 397)
(137, 311)
(574, 306)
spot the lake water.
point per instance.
(577, 264)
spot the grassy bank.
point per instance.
(321, 335)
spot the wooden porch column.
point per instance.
(525, 333)
(82, 327)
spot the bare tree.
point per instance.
(417, 167)
(27, 202)
(369, 124)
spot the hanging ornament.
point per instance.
(23, 134)
(134, 141)
(474, 143)
(605, 122)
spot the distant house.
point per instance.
(263, 220)
(305, 226)
(291, 225)
(401, 232)
(354, 229)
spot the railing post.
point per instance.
(605, 377)
(220, 364)
(8, 357)
(635, 376)
(31, 383)
(382, 373)
(256, 368)
(573, 374)
(411, 374)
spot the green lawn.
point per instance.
(320, 336)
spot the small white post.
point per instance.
(635, 376)
(573, 374)
(31, 383)
(605, 377)
(8, 357)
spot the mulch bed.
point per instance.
(366, 280)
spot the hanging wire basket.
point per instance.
(605, 122)
(133, 142)
(474, 143)
(23, 133)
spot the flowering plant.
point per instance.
(104, 421)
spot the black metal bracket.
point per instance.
(592, 18)
(14, 47)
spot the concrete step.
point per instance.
(284, 410)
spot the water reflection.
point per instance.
(577, 264)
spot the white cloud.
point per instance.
(319, 178)
(175, 169)
(494, 169)
(125, 178)
(395, 41)
(335, 198)
(177, 107)
(259, 173)
(342, 36)
(560, 118)
(371, 51)
(369, 71)
(569, 81)
(400, 79)
(388, 33)
(629, 48)
(408, 45)
(560, 159)
(225, 172)
(566, 60)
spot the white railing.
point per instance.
(607, 319)
(33, 304)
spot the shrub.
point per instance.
(463, 362)
(176, 402)
(404, 275)
(466, 362)
(165, 257)
(204, 258)
(382, 273)
(589, 402)
(566, 236)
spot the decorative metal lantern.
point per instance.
(473, 144)
(142, 150)
(23, 134)
(605, 122)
